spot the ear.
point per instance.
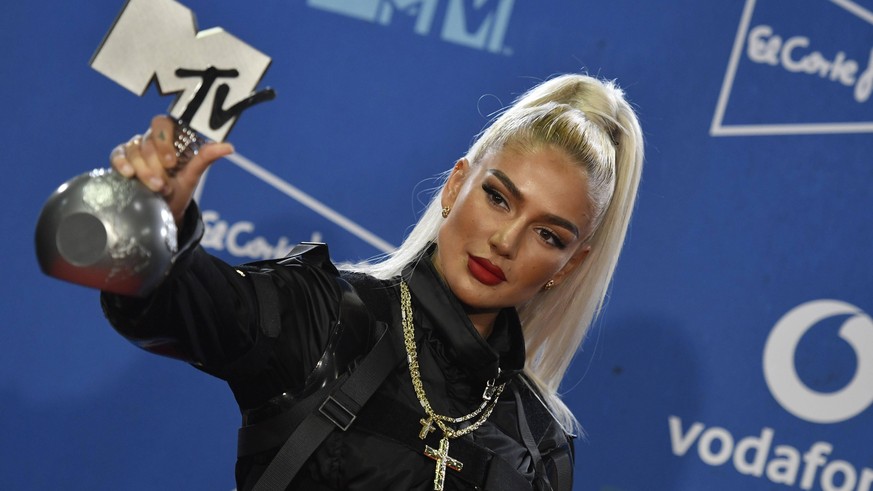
(575, 261)
(455, 182)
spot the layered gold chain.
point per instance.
(489, 400)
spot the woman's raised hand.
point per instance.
(151, 157)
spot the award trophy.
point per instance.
(105, 231)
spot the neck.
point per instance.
(483, 322)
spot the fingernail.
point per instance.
(169, 158)
(156, 184)
(126, 170)
(225, 149)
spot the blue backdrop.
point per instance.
(751, 246)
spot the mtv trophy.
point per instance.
(105, 231)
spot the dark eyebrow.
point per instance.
(507, 182)
(563, 223)
(514, 191)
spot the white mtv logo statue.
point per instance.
(105, 231)
(158, 40)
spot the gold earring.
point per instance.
(548, 286)
(446, 211)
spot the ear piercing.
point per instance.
(548, 286)
(446, 211)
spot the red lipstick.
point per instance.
(485, 271)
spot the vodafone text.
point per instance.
(752, 456)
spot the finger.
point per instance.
(211, 152)
(157, 179)
(162, 132)
(131, 155)
(206, 156)
(119, 162)
(133, 152)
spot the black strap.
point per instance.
(338, 410)
(563, 471)
(268, 303)
(555, 467)
(269, 324)
(273, 432)
(526, 435)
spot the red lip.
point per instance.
(485, 271)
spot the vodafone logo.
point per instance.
(781, 374)
(764, 456)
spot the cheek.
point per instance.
(451, 239)
(540, 265)
(466, 218)
(451, 232)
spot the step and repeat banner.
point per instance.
(736, 348)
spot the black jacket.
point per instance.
(206, 313)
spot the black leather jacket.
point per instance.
(206, 313)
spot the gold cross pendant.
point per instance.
(426, 427)
(442, 461)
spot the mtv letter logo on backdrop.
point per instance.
(479, 24)
(213, 72)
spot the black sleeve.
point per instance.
(206, 313)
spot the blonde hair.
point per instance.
(592, 122)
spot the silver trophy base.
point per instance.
(108, 232)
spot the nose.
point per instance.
(504, 240)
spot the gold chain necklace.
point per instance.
(489, 401)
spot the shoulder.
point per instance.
(306, 271)
(308, 254)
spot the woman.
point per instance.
(438, 367)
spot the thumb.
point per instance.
(206, 156)
(211, 152)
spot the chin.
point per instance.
(478, 296)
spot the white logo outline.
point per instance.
(717, 128)
(303, 198)
(780, 372)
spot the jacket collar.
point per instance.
(480, 358)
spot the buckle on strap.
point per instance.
(336, 413)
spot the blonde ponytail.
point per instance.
(591, 121)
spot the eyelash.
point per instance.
(494, 196)
(552, 238)
(497, 199)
